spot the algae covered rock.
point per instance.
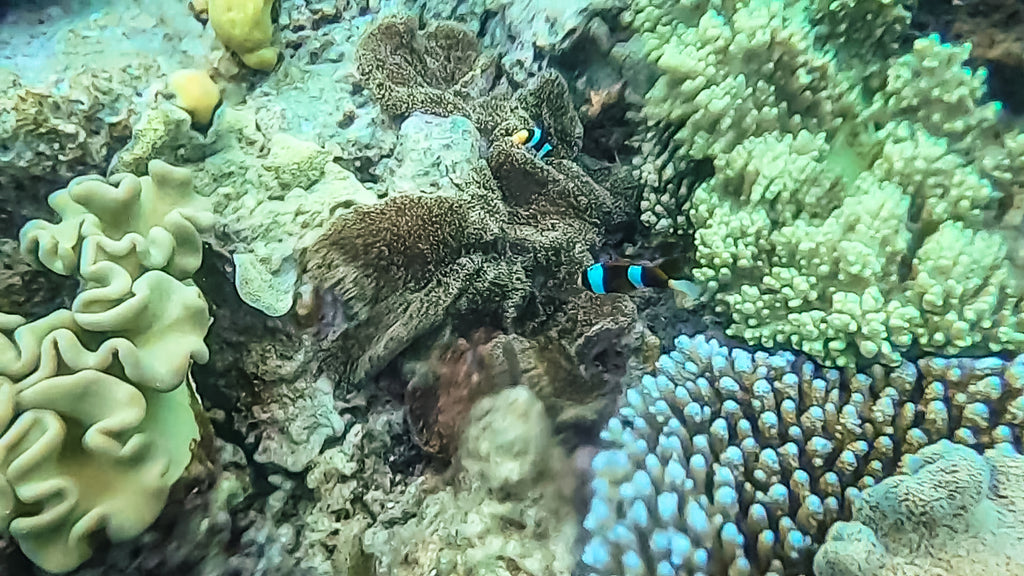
(96, 412)
(509, 511)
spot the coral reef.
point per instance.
(731, 461)
(967, 507)
(62, 115)
(852, 184)
(509, 511)
(480, 245)
(96, 412)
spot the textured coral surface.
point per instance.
(95, 411)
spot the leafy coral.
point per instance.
(96, 413)
(495, 230)
(850, 181)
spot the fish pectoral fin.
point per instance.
(686, 287)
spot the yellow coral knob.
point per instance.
(195, 93)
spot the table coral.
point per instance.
(726, 461)
(949, 510)
(95, 410)
(850, 181)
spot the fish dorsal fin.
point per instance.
(674, 266)
(617, 261)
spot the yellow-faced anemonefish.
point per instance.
(624, 277)
(534, 138)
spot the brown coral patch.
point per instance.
(408, 70)
(439, 398)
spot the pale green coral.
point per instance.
(94, 406)
(851, 182)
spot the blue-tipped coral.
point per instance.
(731, 462)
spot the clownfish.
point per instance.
(625, 277)
(534, 138)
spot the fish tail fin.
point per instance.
(686, 287)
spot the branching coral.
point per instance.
(850, 181)
(95, 411)
(724, 461)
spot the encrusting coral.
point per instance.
(967, 507)
(852, 184)
(726, 461)
(95, 411)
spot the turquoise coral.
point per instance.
(96, 417)
(846, 217)
(727, 461)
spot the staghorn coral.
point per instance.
(96, 413)
(819, 129)
(731, 461)
(967, 508)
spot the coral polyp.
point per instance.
(727, 461)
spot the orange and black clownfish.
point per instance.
(625, 277)
(534, 138)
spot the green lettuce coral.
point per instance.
(854, 186)
(96, 419)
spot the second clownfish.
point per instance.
(534, 138)
(625, 277)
